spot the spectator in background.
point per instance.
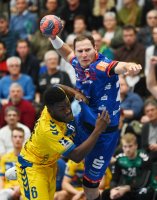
(70, 10)
(52, 75)
(101, 47)
(150, 52)
(14, 68)
(72, 181)
(10, 189)
(80, 26)
(149, 130)
(131, 103)
(111, 32)
(130, 13)
(131, 173)
(51, 8)
(26, 109)
(100, 7)
(39, 48)
(29, 63)
(8, 35)
(12, 116)
(3, 57)
(133, 51)
(145, 33)
(24, 22)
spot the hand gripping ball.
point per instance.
(50, 25)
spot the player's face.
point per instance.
(62, 111)
(85, 52)
(129, 149)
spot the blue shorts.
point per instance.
(98, 159)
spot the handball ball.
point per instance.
(50, 25)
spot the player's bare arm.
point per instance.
(74, 93)
(81, 151)
(62, 48)
(151, 78)
(127, 68)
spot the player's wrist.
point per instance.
(56, 42)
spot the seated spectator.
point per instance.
(3, 57)
(29, 63)
(145, 33)
(80, 26)
(51, 8)
(101, 47)
(133, 51)
(39, 48)
(111, 32)
(9, 189)
(8, 36)
(131, 103)
(14, 67)
(131, 173)
(12, 116)
(70, 10)
(26, 109)
(52, 75)
(130, 13)
(149, 130)
(100, 7)
(72, 181)
(24, 22)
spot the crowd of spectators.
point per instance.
(123, 30)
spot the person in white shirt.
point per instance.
(11, 117)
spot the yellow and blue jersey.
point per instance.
(8, 161)
(48, 141)
(75, 171)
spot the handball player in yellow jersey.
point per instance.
(52, 137)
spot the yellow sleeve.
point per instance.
(71, 168)
(2, 166)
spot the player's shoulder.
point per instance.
(8, 156)
(143, 155)
(119, 156)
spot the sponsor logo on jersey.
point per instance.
(102, 66)
(102, 107)
(64, 142)
(98, 163)
(108, 86)
(105, 97)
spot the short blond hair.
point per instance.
(128, 138)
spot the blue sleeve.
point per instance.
(29, 90)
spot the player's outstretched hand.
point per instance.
(102, 121)
(132, 69)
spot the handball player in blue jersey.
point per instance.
(97, 79)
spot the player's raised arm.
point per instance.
(50, 26)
